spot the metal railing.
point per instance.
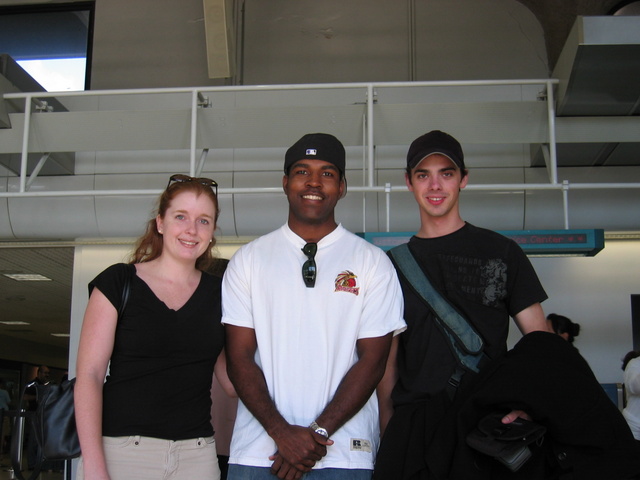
(199, 99)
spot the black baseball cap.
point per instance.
(318, 146)
(432, 142)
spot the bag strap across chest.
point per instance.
(465, 341)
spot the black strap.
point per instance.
(466, 343)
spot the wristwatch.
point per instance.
(319, 430)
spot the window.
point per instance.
(51, 42)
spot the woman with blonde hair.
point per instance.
(150, 419)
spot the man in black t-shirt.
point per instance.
(484, 275)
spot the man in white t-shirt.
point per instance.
(310, 310)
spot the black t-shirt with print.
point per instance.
(487, 277)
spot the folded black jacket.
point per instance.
(587, 437)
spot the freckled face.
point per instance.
(187, 226)
(313, 188)
(436, 183)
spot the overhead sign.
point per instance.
(587, 242)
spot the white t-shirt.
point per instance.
(632, 387)
(307, 336)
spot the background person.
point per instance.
(631, 412)
(151, 418)
(564, 327)
(43, 377)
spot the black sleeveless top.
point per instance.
(161, 367)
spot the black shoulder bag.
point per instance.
(54, 421)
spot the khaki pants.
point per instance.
(145, 458)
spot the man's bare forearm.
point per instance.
(358, 384)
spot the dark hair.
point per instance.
(628, 357)
(562, 324)
(149, 246)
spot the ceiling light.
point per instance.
(14, 322)
(59, 334)
(27, 277)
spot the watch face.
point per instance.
(319, 430)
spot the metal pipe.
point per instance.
(412, 40)
(551, 115)
(203, 158)
(387, 196)
(375, 189)
(565, 202)
(368, 173)
(194, 126)
(36, 170)
(310, 86)
(364, 170)
(24, 157)
(370, 98)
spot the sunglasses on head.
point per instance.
(309, 267)
(207, 182)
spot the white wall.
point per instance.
(149, 44)
(307, 41)
(592, 291)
